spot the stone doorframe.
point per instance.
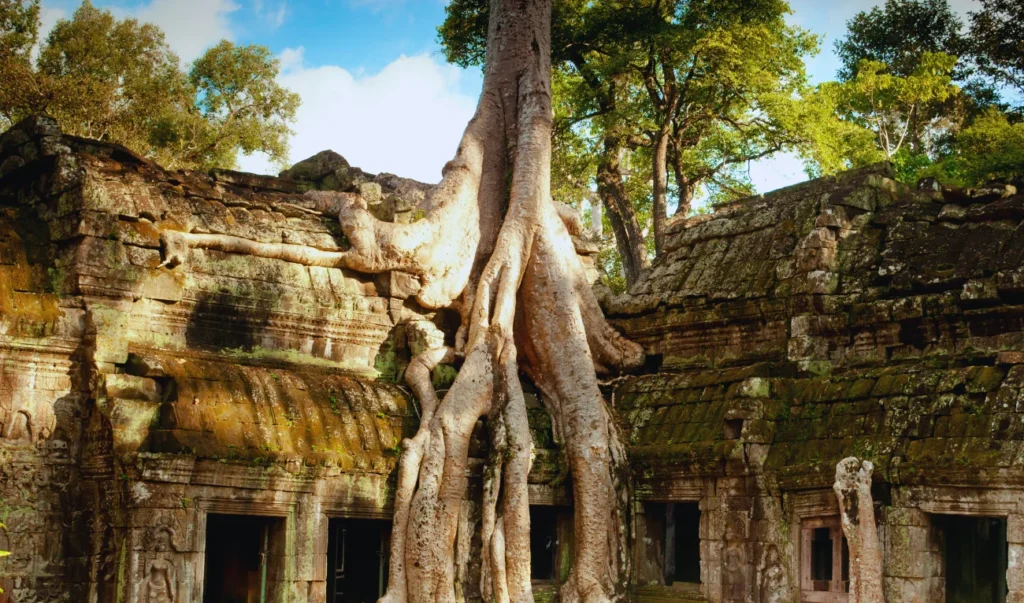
(678, 488)
(911, 552)
(285, 511)
(818, 508)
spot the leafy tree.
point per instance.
(19, 27)
(237, 105)
(721, 78)
(887, 104)
(901, 36)
(990, 148)
(118, 80)
(108, 79)
(996, 41)
(670, 97)
(898, 34)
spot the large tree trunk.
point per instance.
(527, 296)
(621, 215)
(496, 249)
(684, 184)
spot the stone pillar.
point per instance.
(853, 488)
(913, 557)
(1015, 559)
(736, 517)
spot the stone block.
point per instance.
(132, 388)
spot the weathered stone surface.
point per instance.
(389, 196)
(841, 317)
(130, 392)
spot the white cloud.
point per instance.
(191, 26)
(271, 13)
(407, 119)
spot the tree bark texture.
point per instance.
(660, 192)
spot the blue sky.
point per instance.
(375, 87)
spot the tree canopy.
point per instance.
(996, 42)
(118, 80)
(898, 34)
(658, 103)
(934, 99)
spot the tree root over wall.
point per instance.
(496, 247)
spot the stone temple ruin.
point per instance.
(188, 424)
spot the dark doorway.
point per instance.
(974, 555)
(237, 558)
(672, 531)
(543, 542)
(357, 560)
(687, 542)
(822, 551)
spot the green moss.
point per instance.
(122, 563)
(443, 376)
(386, 363)
(57, 277)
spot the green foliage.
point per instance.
(996, 41)
(990, 148)
(898, 34)
(928, 113)
(721, 80)
(118, 80)
(19, 27)
(238, 106)
(890, 105)
(443, 376)
(839, 144)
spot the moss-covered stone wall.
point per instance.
(847, 316)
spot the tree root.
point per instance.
(505, 576)
(417, 375)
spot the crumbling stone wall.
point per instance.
(846, 316)
(135, 399)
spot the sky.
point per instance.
(374, 84)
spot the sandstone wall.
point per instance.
(135, 399)
(841, 317)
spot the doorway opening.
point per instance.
(683, 532)
(357, 560)
(551, 540)
(672, 543)
(974, 552)
(238, 557)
